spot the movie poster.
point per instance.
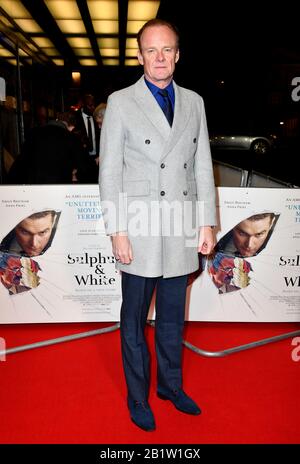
(254, 274)
(56, 263)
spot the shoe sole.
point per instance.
(162, 397)
(143, 428)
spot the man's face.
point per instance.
(249, 236)
(34, 234)
(89, 105)
(158, 54)
(224, 273)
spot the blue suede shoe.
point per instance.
(141, 415)
(181, 401)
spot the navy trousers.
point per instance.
(170, 309)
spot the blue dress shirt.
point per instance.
(159, 98)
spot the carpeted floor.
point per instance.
(74, 392)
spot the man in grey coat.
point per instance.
(158, 201)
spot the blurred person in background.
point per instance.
(88, 132)
(50, 154)
(98, 118)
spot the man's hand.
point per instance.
(207, 240)
(122, 248)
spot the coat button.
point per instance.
(195, 140)
(185, 165)
(147, 141)
(162, 193)
(162, 165)
(185, 192)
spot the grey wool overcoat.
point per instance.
(156, 181)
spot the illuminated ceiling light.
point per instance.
(106, 27)
(133, 27)
(88, 62)
(14, 9)
(43, 42)
(109, 52)
(131, 43)
(51, 51)
(13, 61)
(63, 9)
(28, 25)
(103, 9)
(4, 52)
(108, 42)
(83, 51)
(23, 53)
(71, 26)
(111, 62)
(131, 62)
(79, 42)
(142, 9)
(131, 52)
(76, 77)
(59, 62)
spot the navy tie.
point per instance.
(167, 107)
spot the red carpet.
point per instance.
(74, 392)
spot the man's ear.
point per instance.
(177, 56)
(140, 58)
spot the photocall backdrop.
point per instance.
(73, 278)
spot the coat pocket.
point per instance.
(137, 188)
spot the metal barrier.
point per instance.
(54, 341)
(257, 179)
(195, 349)
(226, 175)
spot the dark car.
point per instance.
(258, 144)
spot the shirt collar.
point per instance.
(85, 115)
(154, 89)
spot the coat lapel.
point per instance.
(153, 112)
(182, 115)
(150, 108)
